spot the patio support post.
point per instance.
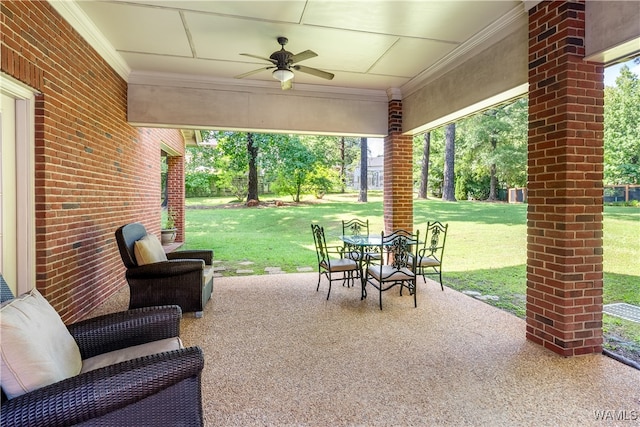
(398, 171)
(565, 167)
(175, 192)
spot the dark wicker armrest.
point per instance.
(165, 268)
(125, 329)
(204, 254)
(102, 391)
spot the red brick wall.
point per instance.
(564, 267)
(94, 172)
(175, 192)
(398, 173)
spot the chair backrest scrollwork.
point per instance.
(402, 246)
(355, 227)
(435, 240)
(320, 242)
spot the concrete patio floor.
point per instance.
(278, 353)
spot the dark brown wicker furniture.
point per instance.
(163, 389)
(176, 281)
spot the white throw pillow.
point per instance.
(36, 347)
(148, 250)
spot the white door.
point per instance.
(8, 187)
(17, 188)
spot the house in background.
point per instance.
(375, 175)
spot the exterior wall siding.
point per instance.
(565, 192)
(94, 172)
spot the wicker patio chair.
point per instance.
(184, 278)
(159, 389)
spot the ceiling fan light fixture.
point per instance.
(282, 75)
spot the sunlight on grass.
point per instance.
(485, 249)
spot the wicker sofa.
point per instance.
(184, 278)
(158, 389)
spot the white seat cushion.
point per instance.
(390, 274)
(341, 264)
(207, 274)
(117, 356)
(428, 262)
(36, 347)
(148, 250)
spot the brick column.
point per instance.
(564, 219)
(175, 192)
(398, 173)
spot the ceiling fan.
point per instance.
(284, 62)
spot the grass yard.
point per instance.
(485, 249)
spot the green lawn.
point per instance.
(485, 249)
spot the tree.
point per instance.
(448, 192)
(364, 155)
(424, 170)
(252, 153)
(232, 162)
(292, 166)
(343, 166)
(622, 130)
(492, 149)
(199, 172)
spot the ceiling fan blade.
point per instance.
(302, 56)
(241, 76)
(260, 57)
(314, 71)
(287, 84)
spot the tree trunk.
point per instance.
(252, 150)
(492, 169)
(364, 156)
(424, 171)
(448, 183)
(343, 172)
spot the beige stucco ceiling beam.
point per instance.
(494, 75)
(207, 106)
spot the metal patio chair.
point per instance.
(358, 227)
(402, 247)
(429, 260)
(331, 262)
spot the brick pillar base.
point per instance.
(398, 173)
(564, 219)
(175, 192)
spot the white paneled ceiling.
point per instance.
(373, 45)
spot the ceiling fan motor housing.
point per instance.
(282, 58)
(283, 61)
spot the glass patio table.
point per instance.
(364, 244)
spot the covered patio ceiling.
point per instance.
(190, 52)
(371, 45)
(443, 59)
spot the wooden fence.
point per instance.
(621, 193)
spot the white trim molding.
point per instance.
(24, 97)
(79, 20)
